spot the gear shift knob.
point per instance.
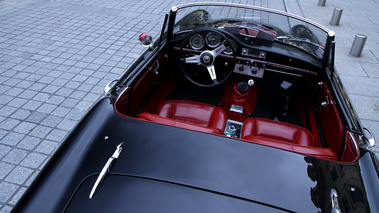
(243, 87)
(251, 82)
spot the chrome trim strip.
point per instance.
(291, 68)
(122, 93)
(355, 142)
(277, 71)
(371, 140)
(108, 87)
(333, 196)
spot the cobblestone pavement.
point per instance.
(57, 55)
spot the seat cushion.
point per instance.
(266, 130)
(194, 113)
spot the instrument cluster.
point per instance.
(212, 40)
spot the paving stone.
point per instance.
(40, 131)
(12, 138)
(31, 178)
(57, 135)
(17, 195)
(7, 110)
(19, 175)
(15, 156)
(28, 94)
(5, 169)
(17, 102)
(4, 150)
(25, 127)
(9, 123)
(21, 114)
(67, 124)
(7, 190)
(36, 117)
(34, 160)
(41, 97)
(29, 143)
(47, 108)
(47, 147)
(32, 105)
(6, 209)
(60, 112)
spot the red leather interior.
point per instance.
(269, 130)
(284, 136)
(194, 113)
(167, 121)
(331, 122)
(232, 96)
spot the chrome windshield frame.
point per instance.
(263, 9)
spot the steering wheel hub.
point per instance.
(207, 58)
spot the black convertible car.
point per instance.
(235, 108)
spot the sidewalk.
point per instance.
(57, 56)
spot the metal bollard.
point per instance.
(321, 2)
(358, 44)
(336, 16)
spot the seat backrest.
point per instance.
(284, 136)
(167, 121)
(277, 131)
(194, 113)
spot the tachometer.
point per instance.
(229, 49)
(213, 39)
(197, 42)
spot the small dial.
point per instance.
(213, 39)
(197, 42)
(229, 49)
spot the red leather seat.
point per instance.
(189, 115)
(269, 130)
(283, 136)
(167, 121)
(194, 113)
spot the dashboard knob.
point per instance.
(254, 70)
(241, 68)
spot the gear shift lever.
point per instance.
(243, 87)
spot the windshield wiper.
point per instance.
(105, 169)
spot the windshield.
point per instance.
(254, 22)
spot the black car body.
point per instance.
(235, 108)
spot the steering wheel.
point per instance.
(204, 67)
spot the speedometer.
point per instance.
(197, 42)
(213, 39)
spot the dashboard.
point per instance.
(253, 57)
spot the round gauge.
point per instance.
(213, 39)
(197, 42)
(229, 49)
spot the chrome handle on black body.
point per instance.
(105, 169)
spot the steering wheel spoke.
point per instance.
(212, 72)
(219, 50)
(192, 59)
